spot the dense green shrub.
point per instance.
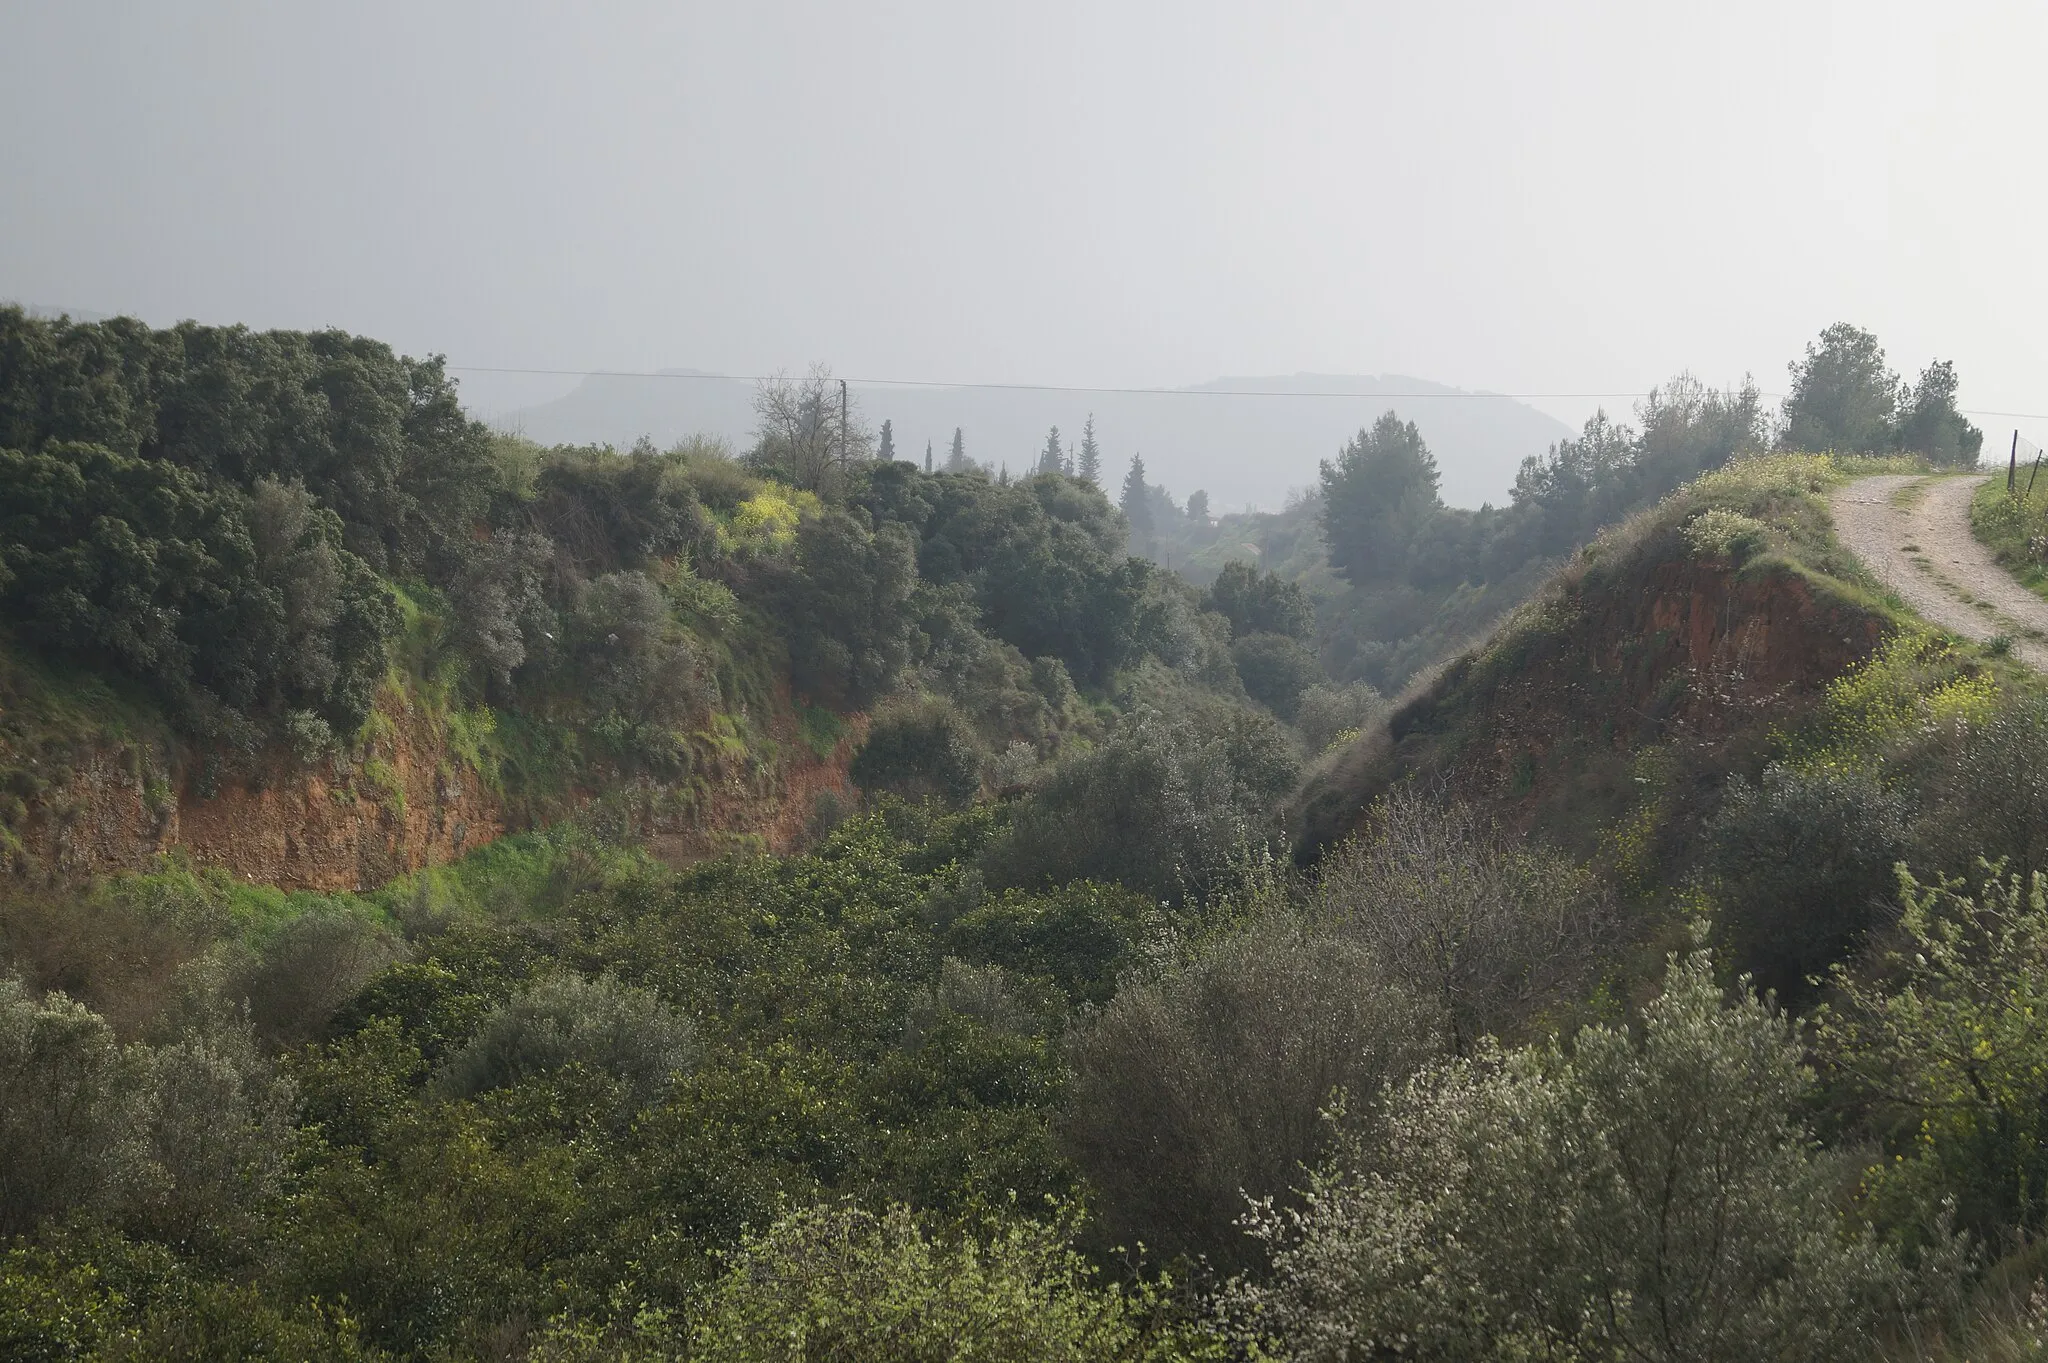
(566, 1019)
(1940, 1050)
(106, 1297)
(841, 1282)
(199, 593)
(1004, 696)
(1207, 1083)
(1327, 710)
(1160, 808)
(502, 616)
(1078, 937)
(1984, 788)
(606, 511)
(219, 1127)
(1804, 865)
(1192, 643)
(625, 655)
(843, 607)
(1043, 558)
(175, 1138)
(923, 750)
(1260, 603)
(307, 969)
(1276, 671)
(73, 1102)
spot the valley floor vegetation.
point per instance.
(1045, 1047)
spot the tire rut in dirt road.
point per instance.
(1926, 553)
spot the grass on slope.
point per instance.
(2015, 529)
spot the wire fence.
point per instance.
(2025, 450)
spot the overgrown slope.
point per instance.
(1659, 659)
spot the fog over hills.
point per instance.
(1247, 441)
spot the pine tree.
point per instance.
(1378, 497)
(1136, 502)
(1050, 459)
(1090, 465)
(887, 453)
(927, 456)
(956, 461)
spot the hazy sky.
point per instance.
(1544, 198)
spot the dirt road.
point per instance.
(1913, 533)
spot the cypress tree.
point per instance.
(1049, 459)
(1136, 502)
(956, 461)
(1089, 467)
(887, 453)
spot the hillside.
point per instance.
(1691, 631)
(477, 901)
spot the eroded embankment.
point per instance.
(1645, 641)
(404, 801)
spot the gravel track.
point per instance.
(1925, 552)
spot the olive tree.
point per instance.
(564, 1019)
(1208, 1082)
(1647, 1193)
(1493, 928)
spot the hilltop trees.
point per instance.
(1929, 423)
(1563, 498)
(377, 438)
(1845, 397)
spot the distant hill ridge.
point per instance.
(1236, 437)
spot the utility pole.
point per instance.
(2012, 468)
(842, 425)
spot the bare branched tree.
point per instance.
(809, 430)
